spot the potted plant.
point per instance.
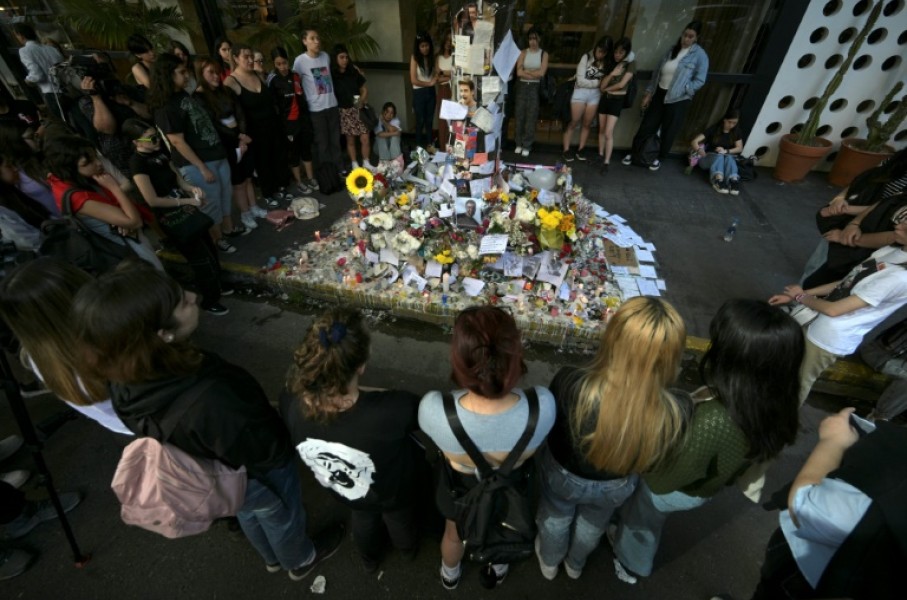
(799, 152)
(858, 155)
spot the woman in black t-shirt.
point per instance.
(349, 87)
(718, 147)
(355, 440)
(156, 179)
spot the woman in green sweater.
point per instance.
(746, 413)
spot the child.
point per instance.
(355, 440)
(388, 138)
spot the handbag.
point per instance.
(368, 117)
(68, 239)
(630, 96)
(185, 223)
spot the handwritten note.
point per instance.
(495, 243)
(462, 44)
(472, 287)
(370, 256)
(647, 287)
(506, 56)
(433, 269)
(453, 111)
(389, 256)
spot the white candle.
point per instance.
(445, 282)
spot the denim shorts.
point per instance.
(585, 96)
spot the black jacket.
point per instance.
(231, 420)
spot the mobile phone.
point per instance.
(861, 425)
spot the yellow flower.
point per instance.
(549, 219)
(403, 200)
(358, 181)
(505, 197)
(567, 223)
(444, 257)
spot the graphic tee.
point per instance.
(316, 80)
(183, 114)
(364, 455)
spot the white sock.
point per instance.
(450, 572)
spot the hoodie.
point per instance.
(231, 420)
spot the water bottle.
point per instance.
(732, 230)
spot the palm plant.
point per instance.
(108, 23)
(332, 25)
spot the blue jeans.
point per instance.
(719, 164)
(424, 101)
(641, 520)
(574, 512)
(273, 518)
(218, 194)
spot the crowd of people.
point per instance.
(616, 446)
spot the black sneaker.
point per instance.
(733, 186)
(370, 565)
(226, 290)
(567, 157)
(603, 169)
(238, 231)
(580, 155)
(216, 309)
(30, 390)
(326, 544)
(627, 160)
(36, 512)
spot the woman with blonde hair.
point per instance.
(744, 415)
(615, 418)
(35, 300)
(354, 439)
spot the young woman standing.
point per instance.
(531, 67)
(423, 76)
(349, 87)
(614, 93)
(584, 103)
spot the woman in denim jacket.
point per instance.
(679, 75)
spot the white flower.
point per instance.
(418, 217)
(406, 244)
(472, 251)
(380, 219)
(561, 180)
(378, 241)
(524, 211)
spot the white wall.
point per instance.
(868, 85)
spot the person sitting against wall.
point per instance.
(718, 148)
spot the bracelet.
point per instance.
(852, 223)
(799, 297)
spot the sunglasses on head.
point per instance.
(151, 139)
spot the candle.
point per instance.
(445, 283)
(317, 236)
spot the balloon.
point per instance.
(543, 178)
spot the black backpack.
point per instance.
(645, 150)
(495, 517)
(68, 239)
(328, 177)
(630, 96)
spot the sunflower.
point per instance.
(359, 181)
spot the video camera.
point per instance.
(71, 72)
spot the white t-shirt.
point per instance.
(316, 80)
(884, 291)
(669, 68)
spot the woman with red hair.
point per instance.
(486, 358)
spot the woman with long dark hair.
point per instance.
(143, 51)
(679, 75)
(179, 50)
(286, 85)
(134, 328)
(229, 119)
(590, 71)
(616, 417)
(95, 197)
(444, 66)
(263, 125)
(423, 75)
(223, 54)
(718, 146)
(195, 145)
(352, 95)
(328, 411)
(614, 93)
(745, 414)
(486, 358)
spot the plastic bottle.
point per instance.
(732, 230)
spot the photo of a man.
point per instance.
(468, 214)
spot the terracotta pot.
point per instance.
(795, 161)
(853, 160)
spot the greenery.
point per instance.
(332, 25)
(879, 132)
(108, 23)
(807, 135)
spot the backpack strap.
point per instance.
(485, 469)
(66, 203)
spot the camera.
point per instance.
(71, 72)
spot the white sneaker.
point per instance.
(258, 212)
(369, 166)
(525, 152)
(354, 165)
(15, 478)
(518, 150)
(248, 219)
(655, 165)
(548, 573)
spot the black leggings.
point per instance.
(666, 117)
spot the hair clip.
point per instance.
(334, 336)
